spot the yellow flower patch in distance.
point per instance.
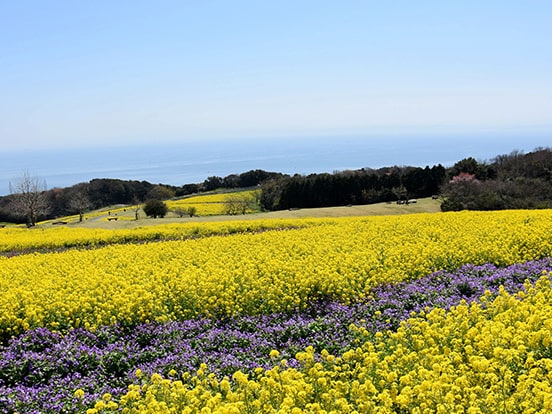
(246, 268)
(212, 204)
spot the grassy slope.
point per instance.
(126, 219)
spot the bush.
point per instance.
(155, 208)
(192, 211)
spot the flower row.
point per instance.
(15, 241)
(473, 358)
(255, 273)
(41, 370)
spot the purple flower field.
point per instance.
(41, 370)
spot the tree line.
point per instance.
(364, 186)
(30, 201)
(512, 181)
(515, 180)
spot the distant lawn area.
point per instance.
(423, 205)
(125, 215)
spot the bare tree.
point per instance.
(191, 211)
(181, 211)
(80, 202)
(28, 195)
(238, 204)
(136, 207)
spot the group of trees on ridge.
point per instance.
(365, 186)
(516, 180)
(30, 200)
(512, 181)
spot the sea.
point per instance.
(178, 163)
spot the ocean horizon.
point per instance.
(192, 162)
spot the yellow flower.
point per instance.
(79, 394)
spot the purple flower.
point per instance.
(40, 370)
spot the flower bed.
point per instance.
(41, 370)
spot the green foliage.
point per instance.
(482, 171)
(519, 181)
(161, 192)
(351, 187)
(155, 208)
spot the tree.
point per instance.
(238, 204)
(181, 212)
(28, 198)
(155, 208)
(106, 191)
(212, 183)
(271, 193)
(192, 210)
(231, 181)
(461, 193)
(79, 201)
(161, 192)
(255, 177)
(187, 189)
(471, 166)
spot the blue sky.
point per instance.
(91, 73)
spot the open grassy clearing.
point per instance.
(126, 215)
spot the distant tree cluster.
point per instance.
(245, 180)
(30, 201)
(363, 186)
(77, 199)
(514, 181)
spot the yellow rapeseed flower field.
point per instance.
(15, 240)
(472, 359)
(246, 267)
(212, 204)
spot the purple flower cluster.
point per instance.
(40, 370)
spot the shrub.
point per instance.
(155, 208)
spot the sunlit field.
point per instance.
(445, 312)
(199, 206)
(215, 204)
